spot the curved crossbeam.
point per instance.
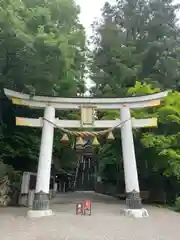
(76, 103)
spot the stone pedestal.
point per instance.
(136, 213)
(133, 200)
(41, 201)
(39, 213)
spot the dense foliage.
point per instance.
(136, 40)
(42, 45)
(136, 52)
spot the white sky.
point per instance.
(90, 9)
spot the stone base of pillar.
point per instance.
(40, 206)
(39, 213)
(136, 213)
(134, 206)
(41, 201)
(133, 200)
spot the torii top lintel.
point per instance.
(76, 103)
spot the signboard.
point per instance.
(79, 209)
(87, 116)
(84, 208)
(87, 207)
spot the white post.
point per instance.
(133, 199)
(55, 187)
(41, 199)
(30, 198)
(60, 186)
(23, 199)
(64, 187)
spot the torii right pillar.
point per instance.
(133, 199)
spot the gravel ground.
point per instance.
(105, 222)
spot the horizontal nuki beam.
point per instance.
(77, 103)
(136, 123)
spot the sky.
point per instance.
(90, 9)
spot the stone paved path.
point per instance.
(104, 224)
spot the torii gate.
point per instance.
(86, 106)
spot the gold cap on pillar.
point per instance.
(110, 136)
(95, 142)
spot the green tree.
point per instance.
(163, 141)
(43, 52)
(135, 40)
(42, 43)
(157, 149)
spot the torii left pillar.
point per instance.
(41, 198)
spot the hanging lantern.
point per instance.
(110, 136)
(95, 142)
(65, 138)
(79, 141)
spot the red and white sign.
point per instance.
(79, 209)
(84, 208)
(87, 207)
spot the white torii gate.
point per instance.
(86, 106)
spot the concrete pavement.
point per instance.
(106, 223)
